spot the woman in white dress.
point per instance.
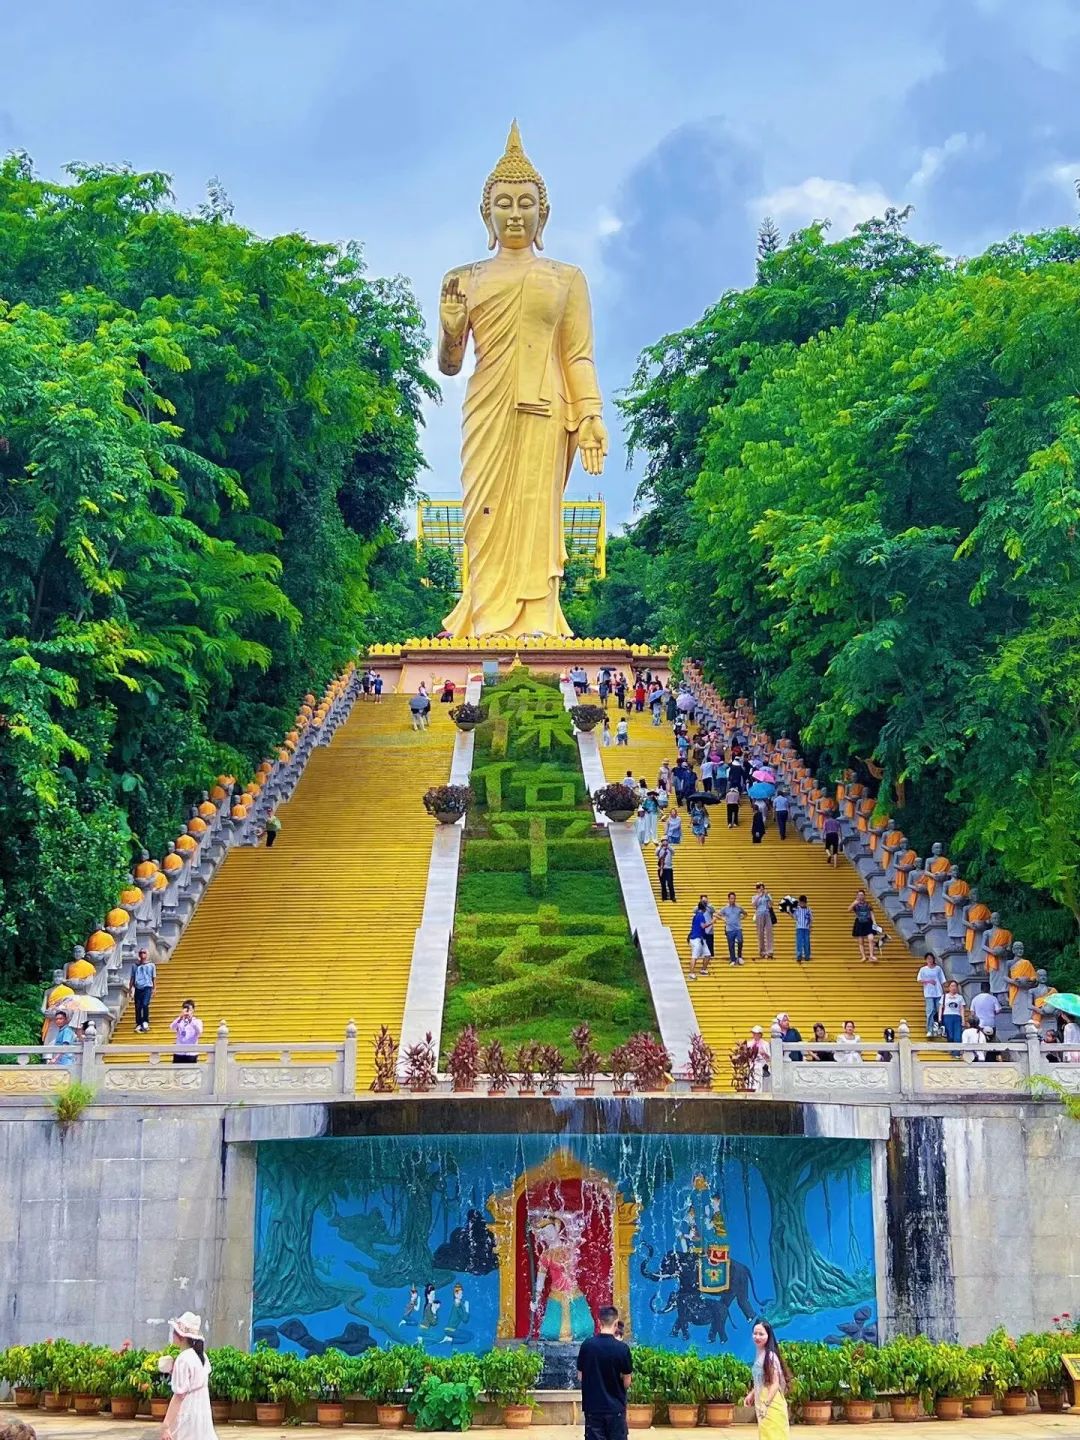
(848, 1046)
(188, 1416)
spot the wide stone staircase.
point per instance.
(834, 987)
(290, 943)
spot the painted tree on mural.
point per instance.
(296, 1182)
(400, 1248)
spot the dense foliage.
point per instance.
(204, 437)
(865, 499)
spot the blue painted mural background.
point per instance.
(377, 1241)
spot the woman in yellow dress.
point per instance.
(771, 1379)
(532, 402)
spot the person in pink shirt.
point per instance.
(188, 1031)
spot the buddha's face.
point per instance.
(515, 213)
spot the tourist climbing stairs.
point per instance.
(834, 987)
(290, 943)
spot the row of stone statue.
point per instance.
(931, 907)
(157, 902)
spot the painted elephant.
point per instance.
(690, 1305)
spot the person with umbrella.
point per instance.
(699, 820)
(1068, 1007)
(419, 706)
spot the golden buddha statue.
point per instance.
(532, 403)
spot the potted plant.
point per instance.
(56, 1359)
(816, 1379)
(420, 1072)
(1041, 1370)
(153, 1381)
(91, 1376)
(123, 1382)
(1001, 1360)
(902, 1374)
(724, 1381)
(508, 1375)
(859, 1368)
(276, 1378)
(702, 1064)
(952, 1378)
(587, 1062)
(466, 716)
(644, 1387)
(525, 1063)
(230, 1382)
(463, 1062)
(385, 1081)
(17, 1369)
(681, 1386)
(618, 801)
(651, 1062)
(384, 1379)
(448, 803)
(981, 1405)
(621, 1066)
(549, 1064)
(586, 717)
(327, 1380)
(441, 1403)
(493, 1063)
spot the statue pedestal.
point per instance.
(433, 661)
(560, 1364)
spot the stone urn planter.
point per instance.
(448, 803)
(719, 1413)
(858, 1412)
(124, 1407)
(466, 717)
(639, 1417)
(617, 801)
(981, 1407)
(447, 817)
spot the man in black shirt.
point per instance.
(604, 1370)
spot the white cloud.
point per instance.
(936, 157)
(815, 198)
(1063, 177)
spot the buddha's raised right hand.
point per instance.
(453, 309)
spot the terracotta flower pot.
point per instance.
(1050, 1401)
(124, 1407)
(331, 1416)
(904, 1408)
(858, 1412)
(517, 1417)
(269, 1412)
(639, 1417)
(221, 1411)
(87, 1404)
(584, 1089)
(816, 1412)
(51, 1400)
(25, 1398)
(682, 1417)
(949, 1407)
(158, 1406)
(981, 1407)
(1014, 1402)
(623, 1091)
(719, 1412)
(390, 1417)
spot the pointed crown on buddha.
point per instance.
(515, 168)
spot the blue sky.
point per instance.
(664, 130)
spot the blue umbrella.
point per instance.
(761, 790)
(1067, 1004)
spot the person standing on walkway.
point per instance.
(733, 915)
(189, 1416)
(673, 828)
(862, 928)
(699, 949)
(622, 732)
(699, 820)
(419, 706)
(781, 809)
(710, 924)
(188, 1031)
(771, 1379)
(932, 979)
(804, 923)
(377, 684)
(665, 868)
(604, 1368)
(273, 829)
(952, 1015)
(764, 920)
(757, 824)
(143, 980)
(830, 832)
(732, 801)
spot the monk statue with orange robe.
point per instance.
(532, 404)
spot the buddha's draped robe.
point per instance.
(534, 383)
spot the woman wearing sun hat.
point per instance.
(188, 1416)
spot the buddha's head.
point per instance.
(514, 205)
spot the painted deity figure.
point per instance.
(560, 1311)
(532, 403)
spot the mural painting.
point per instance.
(467, 1240)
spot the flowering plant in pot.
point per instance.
(816, 1379)
(463, 1062)
(493, 1064)
(587, 1062)
(621, 1066)
(525, 1064)
(420, 1072)
(448, 802)
(586, 717)
(549, 1064)
(153, 1381)
(508, 1375)
(724, 1382)
(702, 1064)
(617, 801)
(230, 1381)
(651, 1062)
(467, 716)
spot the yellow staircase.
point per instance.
(289, 944)
(835, 986)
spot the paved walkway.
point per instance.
(1029, 1427)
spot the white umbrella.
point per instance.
(84, 1004)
